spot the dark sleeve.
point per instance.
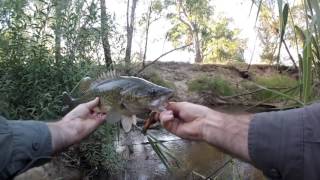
(286, 144)
(23, 145)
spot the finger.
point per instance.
(93, 103)
(166, 116)
(169, 122)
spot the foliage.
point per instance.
(215, 85)
(31, 77)
(98, 150)
(268, 32)
(45, 49)
(221, 43)
(213, 36)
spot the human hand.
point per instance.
(185, 119)
(76, 125)
(225, 131)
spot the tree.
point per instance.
(130, 28)
(221, 43)
(104, 34)
(58, 6)
(153, 14)
(212, 39)
(268, 32)
(194, 15)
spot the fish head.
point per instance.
(159, 97)
(146, 96)
(155, 97)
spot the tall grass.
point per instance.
(307, 38)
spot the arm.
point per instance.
(283, 144)
(26, 144)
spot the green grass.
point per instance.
(215, 85)
(157, 79)
(277, 82)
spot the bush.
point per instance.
(98, 150)
(215, 85)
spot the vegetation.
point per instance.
(277, 82)
(156, 78)
(212, 38)
(98, 151)
(214, 85)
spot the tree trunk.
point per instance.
(197, 48)
(147, 36)
(57, 30)
(104, 35)
(130, 27)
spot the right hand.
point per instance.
(185, 120)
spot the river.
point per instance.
(198, 160)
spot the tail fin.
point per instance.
(82, 87)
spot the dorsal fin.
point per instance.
(112, 74)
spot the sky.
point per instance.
(238, 10)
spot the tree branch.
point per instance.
(162, 55)
(288, 51)
(188, 24)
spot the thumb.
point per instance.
(93, 103)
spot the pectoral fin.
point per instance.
(113, 116)
(127, 122)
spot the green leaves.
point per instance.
(283, 14)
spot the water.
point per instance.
(199, 160)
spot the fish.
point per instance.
(122, 97)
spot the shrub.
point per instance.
(216, 85)
(98, 150)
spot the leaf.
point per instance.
(259, 9)
(300, 33)
(283, 23)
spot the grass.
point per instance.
(274, 82)
(215, 85)
(157, 79)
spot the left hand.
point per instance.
(76, 125)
